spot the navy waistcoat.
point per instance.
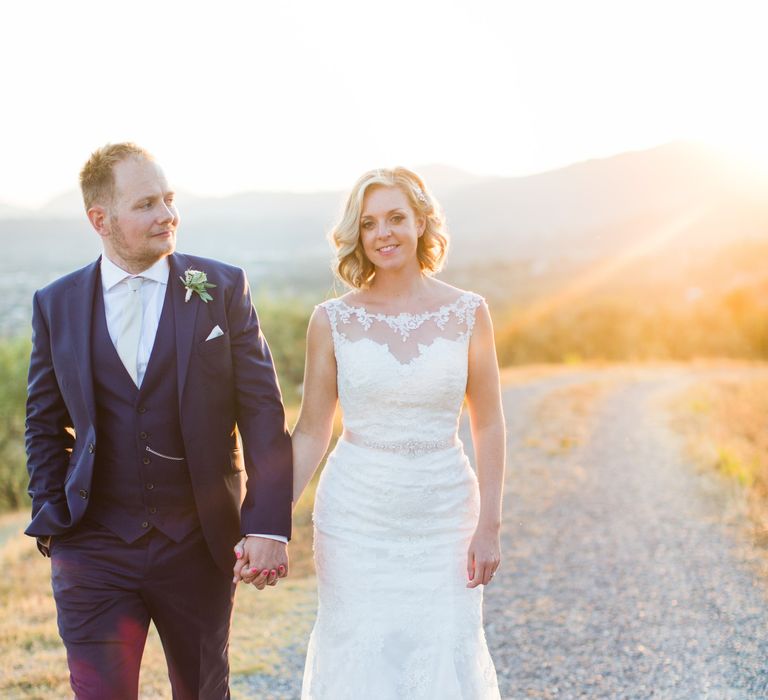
(141, 479)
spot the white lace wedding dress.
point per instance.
(395, 510)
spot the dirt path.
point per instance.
(627, 573)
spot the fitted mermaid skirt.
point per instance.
(395, 617)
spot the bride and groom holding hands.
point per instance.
(148, 364)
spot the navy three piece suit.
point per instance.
(144, 490)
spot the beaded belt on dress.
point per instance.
(411, 448)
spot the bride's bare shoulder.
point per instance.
(354, 297)
(445, 293)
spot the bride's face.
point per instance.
(389, 228)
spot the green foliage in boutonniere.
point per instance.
(197, 282)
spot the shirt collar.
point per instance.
(112, 275)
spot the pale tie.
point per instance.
(130, 328)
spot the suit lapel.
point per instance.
(79, 309)
(185, 314)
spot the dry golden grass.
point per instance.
(34, 660)
(725, 421)
(264, 622)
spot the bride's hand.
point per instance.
(483, 557)
(239, 550)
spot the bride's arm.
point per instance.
(318, 404)
(488, 437)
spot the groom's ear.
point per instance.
(98, 217)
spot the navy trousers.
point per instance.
(107, 592)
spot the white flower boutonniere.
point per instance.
(197, 282)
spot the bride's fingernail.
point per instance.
(273, 573)
(281, 568)
(253, 570)
(239, 555)
(265, 572)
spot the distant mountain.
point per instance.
(635, 223)
(248, 205)
(591, 208)
(674, 196)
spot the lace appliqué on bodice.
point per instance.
(453, 321)
(402, 377)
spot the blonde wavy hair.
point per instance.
(352, 265)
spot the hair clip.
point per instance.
(420, 195)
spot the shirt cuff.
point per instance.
(277, 538)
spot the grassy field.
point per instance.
(725, 422)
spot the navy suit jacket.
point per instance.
(227, 384)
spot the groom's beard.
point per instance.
(140, 254)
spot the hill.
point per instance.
(617, 219)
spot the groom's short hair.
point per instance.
(97, 179)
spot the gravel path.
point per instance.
(625, 572)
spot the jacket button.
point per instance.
(143, 435)
(146, 460)
(153, 510)
(145, 524)
(142, 409)
(83, 494)
(91, 447)
(150, 487)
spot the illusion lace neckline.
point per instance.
(359, 309)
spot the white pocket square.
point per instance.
(215, 333)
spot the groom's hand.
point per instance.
(260, 561)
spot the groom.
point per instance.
(142, 375)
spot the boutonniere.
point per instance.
(197, 282)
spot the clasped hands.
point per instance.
(260, 561)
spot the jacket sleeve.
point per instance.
(261, 422)
(49, 432)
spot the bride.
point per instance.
(406, 534)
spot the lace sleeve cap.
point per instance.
(468, 310)
(330, 306)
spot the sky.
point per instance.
(308, 94)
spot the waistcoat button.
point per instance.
(83, 494)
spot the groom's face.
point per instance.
(142, 218)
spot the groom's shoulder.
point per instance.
(59, 285)
(225, 272)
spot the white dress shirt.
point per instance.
(115, 288)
